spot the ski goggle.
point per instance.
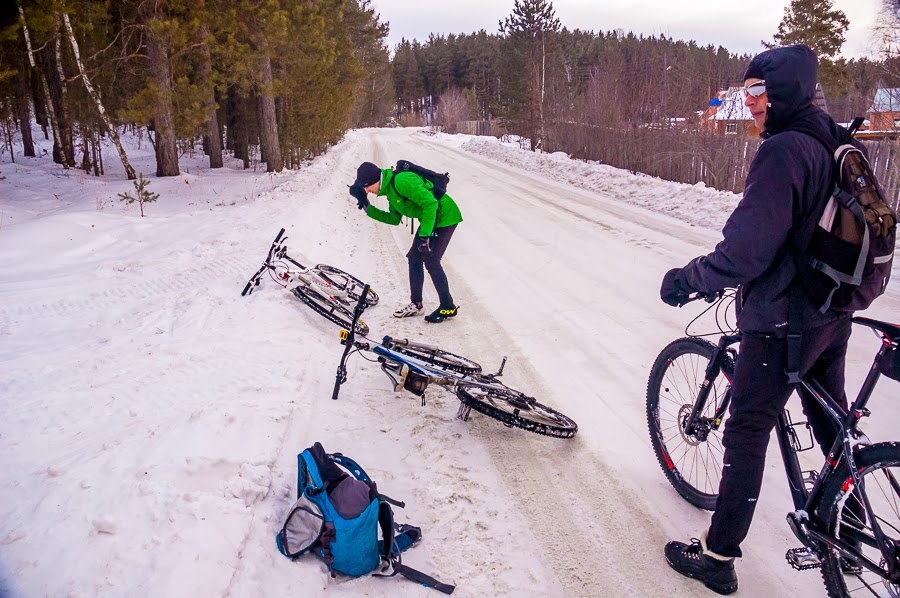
(754, 89)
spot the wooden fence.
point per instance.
(486, 128)
(719, 161)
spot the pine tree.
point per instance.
(407, 78)
(528, 32)
(815, 23)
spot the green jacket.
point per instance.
(417, 201)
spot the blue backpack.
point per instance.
(337, 516)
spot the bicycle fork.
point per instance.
(696, 425)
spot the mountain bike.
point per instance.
(847, 515)
(413, 367)
(329, 291)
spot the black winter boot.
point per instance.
(441, 314)
(691, 560)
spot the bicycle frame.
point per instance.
(310, 278)
(401, 365)
(807, 528)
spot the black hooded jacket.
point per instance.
(787, 187)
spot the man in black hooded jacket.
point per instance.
(785, 194)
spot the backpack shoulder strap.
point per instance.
(394, 186)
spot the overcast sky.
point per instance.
(739, 26)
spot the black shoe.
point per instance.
(441, 314)
(690, 561)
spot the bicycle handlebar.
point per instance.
(710, 297)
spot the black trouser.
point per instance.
(759, 393)
(431, 261)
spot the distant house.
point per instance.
(884, 114)
(727, 114)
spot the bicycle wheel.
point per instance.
(516, 409)
(348, 283)
(439, 359)
(692, 463)
(330, 309)
(842, 514)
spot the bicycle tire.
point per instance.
(883, 493)
(348, 283)
(439, 359)
(331, 310)
(690, 463)
(516, 409)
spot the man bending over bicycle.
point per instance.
(410, 195)
(785, 194)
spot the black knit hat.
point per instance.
(367, 174)
(753, 71)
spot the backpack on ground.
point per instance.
(438, 180)
(847, 264)
(337, 516)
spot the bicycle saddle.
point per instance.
(891, 331)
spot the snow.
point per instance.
(152, 416)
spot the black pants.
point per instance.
(418, 262)
(759, 393)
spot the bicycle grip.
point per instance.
(337, 389)
(278, 237)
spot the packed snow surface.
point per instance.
(151, 416)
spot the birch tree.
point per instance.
(110, 128)
(51, 115)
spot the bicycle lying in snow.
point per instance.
(413, 366)
(329, 291)
(847, 515)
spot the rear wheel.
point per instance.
(347, 283)
(330, 309)
(440, 359)
(516, 409)
(692, 462)
(842, 514)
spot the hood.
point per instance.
(791, 74)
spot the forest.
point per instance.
(277, 82)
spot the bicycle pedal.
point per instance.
(803, 559)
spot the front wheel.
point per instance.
(330, 309)
(347, 283)
(843, 515)
(692, 462)
(516, 409)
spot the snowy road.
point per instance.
(153, 416)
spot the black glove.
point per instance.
(674, 290)
(423, 244)
(362, 200)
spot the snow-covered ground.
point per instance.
(151, 416)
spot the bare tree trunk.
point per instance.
(543, 83)
(58, 92)
(164, 119)
(213, 137)
(268, 126)
(39, 102)
(49, 110)
(111, 129)
(23, 99)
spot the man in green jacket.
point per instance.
(410, 195)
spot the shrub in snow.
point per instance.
(144, 195)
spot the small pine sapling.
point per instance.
(144, 195)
